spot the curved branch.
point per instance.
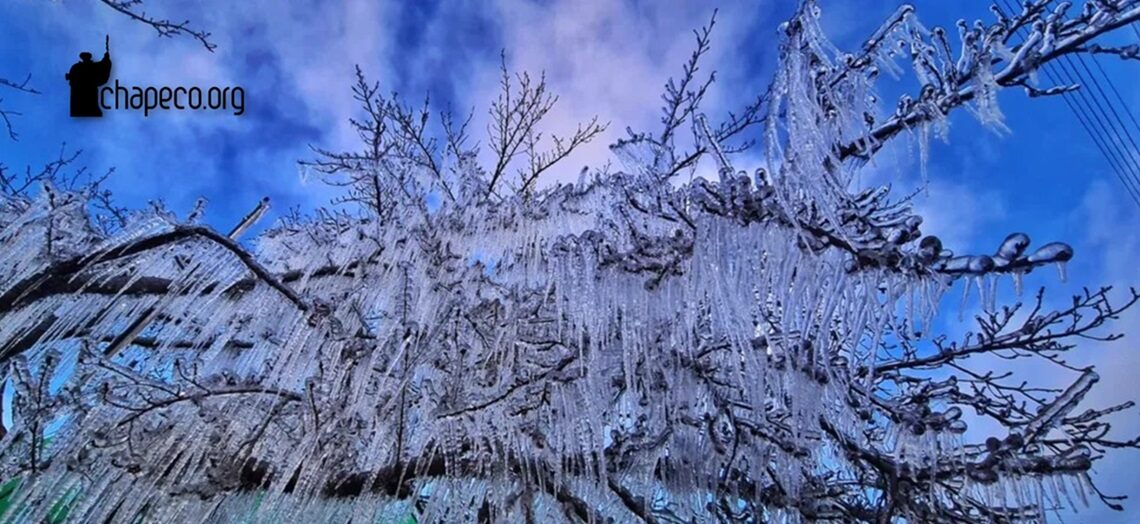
(58, 274)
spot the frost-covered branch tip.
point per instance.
(1006, 52)
(134, 9)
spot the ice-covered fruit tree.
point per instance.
(455, 341)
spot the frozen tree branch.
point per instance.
(164, 27)
(1128, 52)
(682, 100)
(20, 86)
(626, 347)
(7, 114)
(62, 271)
(1038, 332)
(984, 63)
(513, 131)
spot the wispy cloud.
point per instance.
(295, 60)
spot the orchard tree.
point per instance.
(456, 341)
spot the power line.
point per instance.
(1129, 152)
(1130, 174)
(1103, 126)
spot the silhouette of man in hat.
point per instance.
(85, 78)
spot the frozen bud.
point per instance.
(51, 358)
(1052, 252)
(941, 388)
(896, 236)
(980, 264)
(199, 210)
(935, 421)
(929, 248)
(1013, 246)
(761, 177)
(760, 343)
(993, 444)
(958, 264)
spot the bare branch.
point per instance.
(164, 27)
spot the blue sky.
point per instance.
(295, 61)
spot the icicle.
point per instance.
(963, 302)
(982, 292)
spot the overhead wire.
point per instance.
(1096, 114)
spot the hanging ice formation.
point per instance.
(640, 350)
